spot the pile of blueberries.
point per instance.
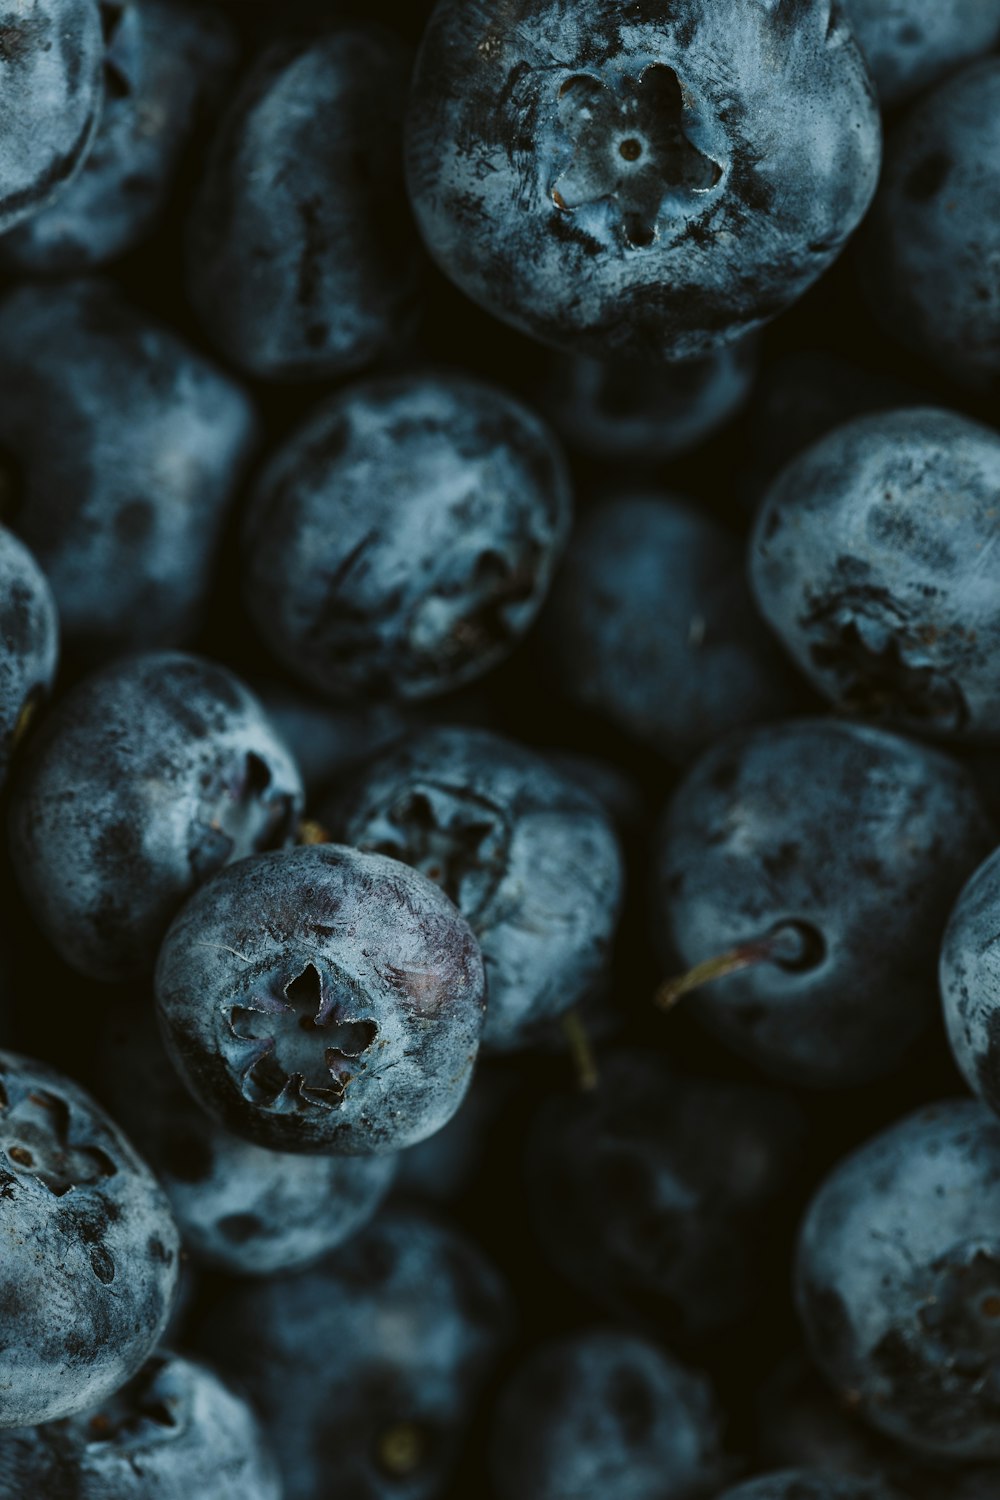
(500, 750)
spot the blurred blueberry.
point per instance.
(446, 1166)
(909, 44)
(29, 643)
(330, 740)
(800, 1484)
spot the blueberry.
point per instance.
(800, 1484)
(606, 1413)
(642, 1189)
(174, 1432)
(970, 982)
(651, 625)
(651, 184)
(331, 740)
(319, 999)
(931, 242)
(165, 61)
(367, 1369)
(873, 561)
(248, 1211)
(29, 643)
(302, 258)
(120, 449)
(530, 859)
(909, 44)
(833, 931)
(143, 781)
(403, 540)
(51, 92)
(898, 1280)
(89, 1250)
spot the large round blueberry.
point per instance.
(88, 1263)
(403, 540)
(175, 1432)
(51, 92)
(246, 1210)
(120, 449)
(824, 856)
(874, 561)
(367, 1369)
(528, 857)
(650, 182)
(664, 1197)
(606, 1413)
(802, 1484)
(970, 982)
(165, 60)
(652, 625)
(319, 999)
(142, 782)
(29, 642)
(931, 245)
(303, 260)
(898, 1280)
(908, 44)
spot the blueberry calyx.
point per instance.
(36, 1143)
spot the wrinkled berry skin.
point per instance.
(909, 44)
(368, 1367)
(166, 61)
(651, 624)
(898, 1280)
(88, 1250)
(303, 261)
(51, 92)
(174, 1432)
(124, 448)
(660, 1196)
(643, 184)
(403, 540)
(801, 1484)
(933, 235)
(530, 859)
(143, 781)
(970, 982)
(29, 641)
(754, 843)
(606, 1413)
(873, 561)
(319, 999)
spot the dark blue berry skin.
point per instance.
(330, 740)
(970, 982)
(606, 1413)
(932, 237)
(123, 448)
(754, 845)
(651, 624)
(143, 781)
(303, 261)
(898, 1280)
(661, 1196)
(166, 61)
(873, 560)
(403, 540)
(366, 1370)
(29, 642)
(442, 1169)
(801, 1484)
(88, 1249)
(173, 1433)
(323, 1000)
(238, 1207)
(51, 92)
(651, 183)
(530, 859)
(911, 43)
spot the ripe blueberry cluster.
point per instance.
(499, 750)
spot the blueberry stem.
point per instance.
(311, 832)
(580, 1050)
(784, 944)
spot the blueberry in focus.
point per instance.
(651, 183)
(898, 1280)
(909, 44)
(528, 857)
(29, 643)
(402, 541)
(872, 560)
(120, 450)
(833, 930)
(143, 780)
(320, 999)
(366, 1370)
(800, 1484)
(606, 1413)
(173, 1432)
(89, 1250)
